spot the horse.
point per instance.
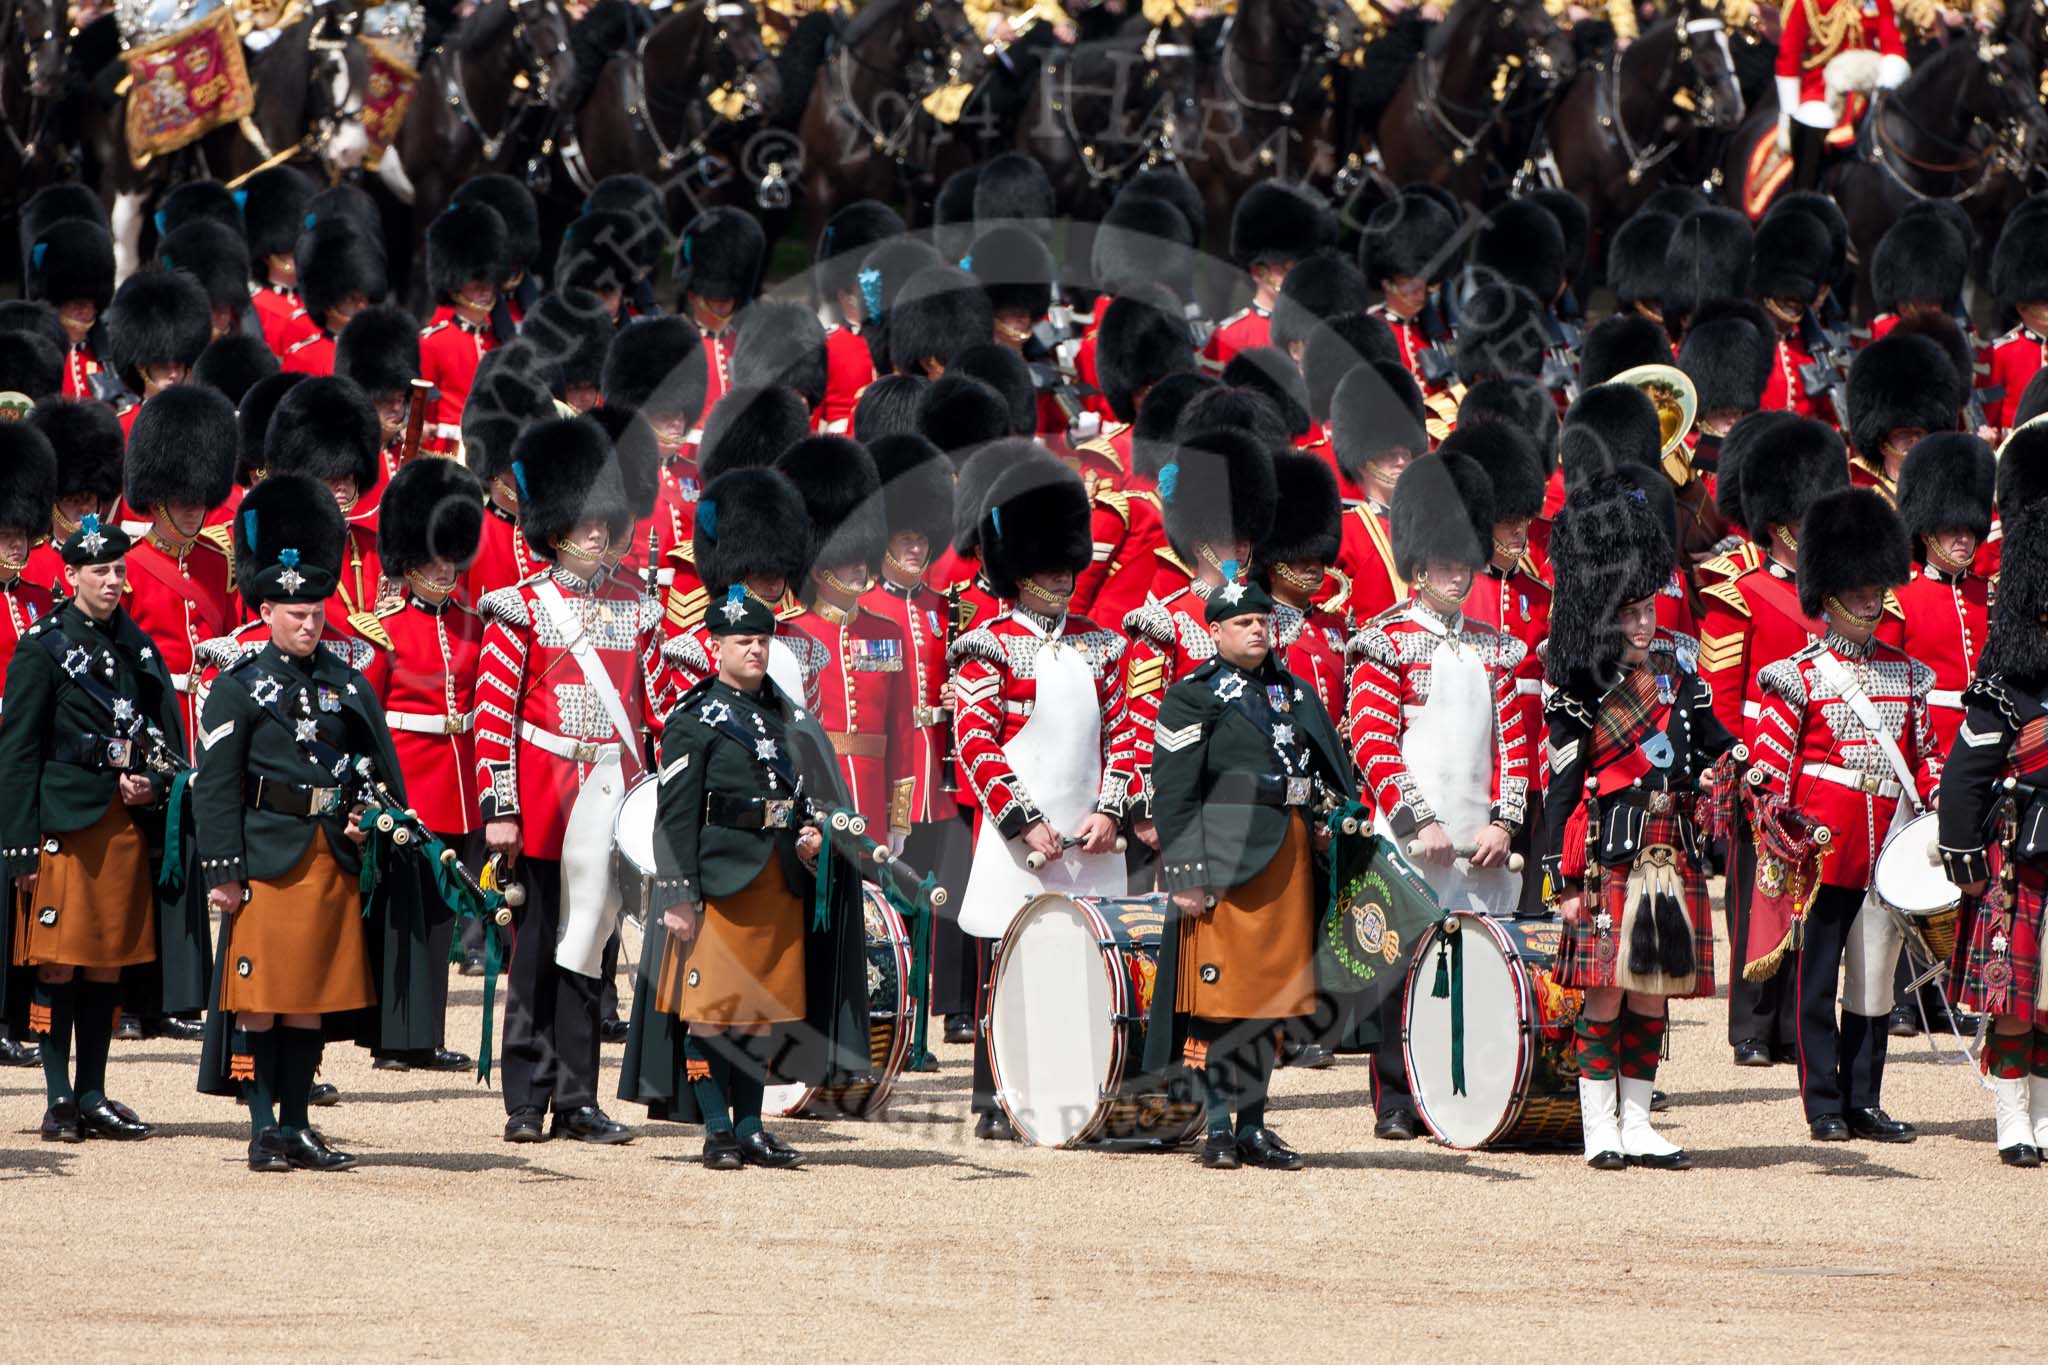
(486, 101)
(656, 110)
(865, 132)
(1966, 126)
(1489, 68)
(32, 34)
(1616, 133)
(309, 81)
(1104, 110)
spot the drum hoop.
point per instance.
(899, 1047)
(1876, 877)
(618, 817)
(1119, 996)
(1525, 1025)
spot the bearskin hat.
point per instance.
(1728, 353)
(1376, 409)
(1158, 418)
(884, 272)
(1143, 241)
(658, 364)
(295, 513)
(940, 312)
(917, 486)
(597, 252)
(274, 214)
(379, 350)
(1610, 427)
(1785, 468)
(953, 213)
(514, 386)
(1320, 287)
(1920, 259)
(1608, 548)
(1442, 510)
(72, 260)
(1943, 331)
(1895, 382)
(640, 200)
(1171, 185)
(751, 523)
(1709, 257)
(1620, 342)
(848, 236)
(157, 318)
(53, 204)
(1823, 210)
(1408, 237)
(888, 406)
(181, 449)
(350, 204)
(638, 451)
(1269, 371)
(977, 475)
(31, 366)
(1573, 222)
(28, 479)
(230, 365)
(1511, 463)
(958, 414)
(252, 421)
(1034, 520)
(1948, 482)
(2016, 645)
(35, 319)
(213, 255)
(1635, 259)
(1307, 518)
(509, 198)
(842, 495)
(1009, 374)
(466, 242)
(198, 201)
(2019, 268)
(1141, 340)
(1234, 409)
(1850, 538)
(1014, 270)
(1219, 489)
(721, 255)
(1500, 334)
(87, 438)
(1014, 187)
(328, 428)
(1522, 404)
(1758, 428)
(749, 428)
(432, 509)
(1334, 350)
(337, 258)
(1791, 258)
(1274, 222)
(1522, 244)
(2022, 473)
(567, 474)
(572, 326)
(782, 344)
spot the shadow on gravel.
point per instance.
(1419, 1157)
(27, 1165)
(1682, 1100)
(462, 1163)
(1825, 1159)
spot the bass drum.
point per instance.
(1481, 991)
(889, 1022)
(1070, 993)
(633, 844)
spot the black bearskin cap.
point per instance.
(1523, 245)
(749, 428)
(939, 313)
(1500, 334)
(751, 523)
(1608, 548)
(567, 474)
(181, 449)
(1267, 370)
(1442, 509)
(213, 255)
(978, 474)
(231, 365)
(1948, 483)
(1141, 340)
(1318, 288)
(1620, 342)
(1942, 330)
(1275, 222)
(1014, 270)
(288, 512)
(1791, 258)
(1159, 417)
(1825, 211)
(1728, 353)
(1035, 520)
(274, 213)
(1610, 427)
(337, 258)
(1785, 468)
(36, 319)
(781, 345)
(958, 414)
(1523, 404)
(31, 366)
(849, 235)
(379, 350)
(327, 428)
(657, 364)
(467, 242)
(1335, 349)
(1308, 514)
(1408, 237)
(1142, 242)
(641, 201)
(1009, 374)
(1171, 185)
(917, 486)
(721, 256)
(1219, 489)
(28, 479)
(888, 406)
(432, 509)
(842, 495)
(157, 317)
(1635, 259)
(87, 438)
(509, 198)
(1920, 259)
(1013, 187)
(1895, 382)
(252, 420)
(73, 259)
(597, 252)
(1708, 258)
(1850, 538)
(198, 201)
(572, 326)
(1376, 409)
(1510, 461)
(514, 386)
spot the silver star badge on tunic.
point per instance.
(1998, 943)
(147, 654)
(1603, 921)
(351, 689)
(124, 710)
(307, 730)
(1283, 734)
(714, 712)
(1230, 686)
(764, 749)
(290, 580)
(77, 659)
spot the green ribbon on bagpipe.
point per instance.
(1450, 982)
(1360, 820)
(454, 891)
(171, 876)
(916, 912)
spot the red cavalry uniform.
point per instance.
(1365, 556)
(1391, 677)
(182, 599)
(1241, 331)
(1169, 639)
(849, 369)
(1516, 602)
(994, 690)
(1785, 390)
(429, 702)
(1810, 747)
(1751, 620)
(450, 351)
(1311, 646)
(312, 354)
(2014, 359)
(540, 728)
(27, 603)
(280, 315)
(865, 707)
(1815, 31)
(920, 615)
(1945, 619)
(503, 558)
(80, 365)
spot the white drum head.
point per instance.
(633, 830)
(1049, 1022)
(1495, 1045)
(1910, 877)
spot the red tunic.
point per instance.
(503, 558)
(1169, 640)
(920, 614)
(219, 653)
(80, 365)
(1517, 603)
(27, 603)
(1786, 389)
(718, 348)
(352, 610)
(686, 660)
(1945, 619)
(312, 354)
(1815, 31)
(181, 599)
(1751, 620)
(450, 351)
(1311, 646)
(865, 707)
(1365, 556)
(1241, 331)
(2014, 359)
(429, 702)
(849, 369)
(280, 315)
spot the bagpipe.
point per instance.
(1377, 910)
(1789, 849)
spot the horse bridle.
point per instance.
(1691, 88)
(709, 82)
(533, 62)
(1436, 108)
(15, 27)
(941, 63)
(2006, 150)
(1322, 47)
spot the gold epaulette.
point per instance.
(1166, 553)
(366, 625)
(390, 609)
(1728, 595)
(1116, 502)
(1891, 605)
(221, 538)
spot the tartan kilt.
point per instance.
(2004, 981)
(1586, 961)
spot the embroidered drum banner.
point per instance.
(389, 95)
(186, 85)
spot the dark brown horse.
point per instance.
(31, 82)
(1486, 73)
(1621, 128)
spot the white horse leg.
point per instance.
(391, 170)
(126, 222)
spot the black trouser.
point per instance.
(549, 1055)
(984, 1096)
(1764, 1011)
(1390, 1093)
(608, 983)
(945, 848)
(1841, 1062)
(1809, 152)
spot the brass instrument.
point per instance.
(1678, 404)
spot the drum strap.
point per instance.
(585, 653)
(1852, 695)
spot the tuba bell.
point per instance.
(1677, 402)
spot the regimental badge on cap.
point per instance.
(291, 579)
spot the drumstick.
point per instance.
(1514, 859)
(1035, 860)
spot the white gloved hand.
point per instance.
(1784, 135)
(1892, 71)
(1788, 100)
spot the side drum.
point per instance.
(889, 1024)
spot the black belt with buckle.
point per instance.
(289, 798)
(1261, 789)
(749, 812)
(102, 753)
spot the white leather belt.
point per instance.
(181, 682)
(838, 426)
(1752, 709)
(1528, 687)
(430, 722)
(921, 716)
(1870, 784)
(1952, 701)
(561, 746)
(446, 431)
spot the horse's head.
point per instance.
(337, 78)
(43, 25)
(942, 40)
(1331, 24)
(2000, 93)
(1524, 30)
(1709, 66)
(734, 59)
(540, 44)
